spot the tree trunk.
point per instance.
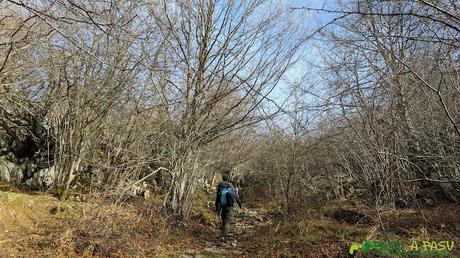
(180, 196)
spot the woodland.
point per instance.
(339, 121)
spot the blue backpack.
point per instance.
(223, 196)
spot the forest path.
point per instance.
(244, 225)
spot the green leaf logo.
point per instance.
(354, 247)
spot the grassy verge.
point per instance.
(338, 224)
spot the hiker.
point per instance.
(224, 205)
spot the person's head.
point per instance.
(224, 177)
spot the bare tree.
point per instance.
(387, 65)
(71, 65)
(221, 60)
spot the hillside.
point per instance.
(39, 225)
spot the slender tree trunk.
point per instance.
(180, 196)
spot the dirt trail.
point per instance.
(245, 224)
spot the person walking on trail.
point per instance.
(224, 206)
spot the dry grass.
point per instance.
(101, 229)
(22, 216)
(39, 225)
(342, 223)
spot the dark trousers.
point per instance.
(226, 215)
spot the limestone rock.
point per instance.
(11, 172)
(44, 177)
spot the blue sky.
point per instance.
(302, 72)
